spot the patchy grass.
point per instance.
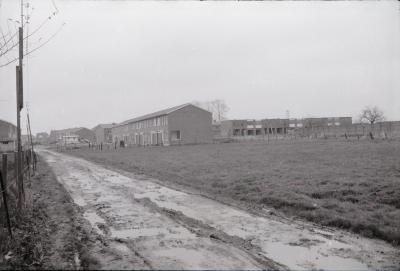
(47, 234)
(353, 185)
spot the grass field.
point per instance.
(353, 185)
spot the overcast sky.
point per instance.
(114, 60)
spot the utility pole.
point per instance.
(20, 102)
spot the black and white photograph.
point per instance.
(199, 135)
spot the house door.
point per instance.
(137, 139)
(141, 140)
(159, 138)
(154, 139)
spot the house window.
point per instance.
(176, 135)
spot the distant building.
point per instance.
(26, 140)
(84, 135)
(103, 133)
(216, 129)
(70, 139)
(8, 136)
(385, 129)
(42, 138)
(184, 124)
(263, 127)
(280, 127)
(326, 122)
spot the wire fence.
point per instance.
(12, 189)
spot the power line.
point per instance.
(54, 4)
(33, 32)
(38, 47)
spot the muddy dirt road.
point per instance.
(171, 229)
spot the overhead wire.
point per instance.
(36, 48)
(32, 33)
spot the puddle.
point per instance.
(94, 220)
(79, 201)
(279, 241)
(155, 232)
(77, 261)
(121, 247)
(297, 257)
(181, 254)
(93, 217)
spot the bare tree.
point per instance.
(371, 115)
(218, 108)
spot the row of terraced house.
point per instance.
(306, 127)
(234, 128)
(183, 124)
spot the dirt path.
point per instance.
(170, 229)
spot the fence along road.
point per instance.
(10, 189)
(172, 229)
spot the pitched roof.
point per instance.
(3, 122)
(155, 114)
(105, 125)
(68, 130)
(108, 125)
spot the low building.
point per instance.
(103, 133)
(70, 139)
(281, 127)
(384, 129)
(26, 140)
(42, 138)
(263, 127)
(184, 124)
(327, 122)
(8, 136)
(84, 135)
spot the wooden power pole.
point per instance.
(20, 102)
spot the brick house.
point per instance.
(184, 124)
(8, 136)
(103, 133)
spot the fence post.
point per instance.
(23, 162)
(30, 159)
(16, 180)
(28, 164)
(34, 161)
(3, 180)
